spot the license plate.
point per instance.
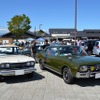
(97, 75)
(19, 72)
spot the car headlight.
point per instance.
(28, 64)
(83, 68)
(2, 66)
(32, 63)
(7, 65)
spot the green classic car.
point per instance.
(69, 61)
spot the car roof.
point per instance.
(39, 44)
(63, 46)
(9, 45)
(98, 41)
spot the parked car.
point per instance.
(13, 63)
(39, 47)
(90, 44)
(69, 61)
(96, 48)
(18, 44)
(27, 50)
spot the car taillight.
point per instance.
(97, 47)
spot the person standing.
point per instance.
(33, 48)
(45, 44)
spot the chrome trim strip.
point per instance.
(86, 74)
(12, 72)
(53, 70)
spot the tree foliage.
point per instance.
(40, 32)
(18, 25)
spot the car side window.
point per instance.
(48, 51)
(65, 50)
(96, 44)
(52, 51)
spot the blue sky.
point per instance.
(52, 13)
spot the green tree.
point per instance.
(40, 33)
(18, 25)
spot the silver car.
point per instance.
(13, 63)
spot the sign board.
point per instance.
(60, 35)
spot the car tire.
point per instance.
(67, 76)
(0, 78)
(36, 60)
(30, 75)
(41, 64)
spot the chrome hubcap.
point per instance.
(65, 75)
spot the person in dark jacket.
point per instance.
(45, 44)
(33, 48)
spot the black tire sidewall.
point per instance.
(42, 65)
(69, 77)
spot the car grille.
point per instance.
(18, 66)
(97, 67)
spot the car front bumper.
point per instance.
(96, 75)
(17, 72)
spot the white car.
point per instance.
(96, 48)
(13, 63)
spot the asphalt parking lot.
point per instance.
(46, 85)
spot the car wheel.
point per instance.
(67, 76)
(36, 60)
(1, 78)
(41, 63)
(30, 75)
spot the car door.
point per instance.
(52, 61)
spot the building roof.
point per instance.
(85, 33)
(91, 30)
(88, 34)
(25, 35)
(13, 36)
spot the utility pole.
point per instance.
(75, 24)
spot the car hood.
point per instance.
(86, 60)
(15, 58)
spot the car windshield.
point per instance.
(74, 50)
(9, 50)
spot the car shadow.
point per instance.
(87, 82)
(81, 82)
(22, 78)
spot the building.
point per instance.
(90, 33)
(70, 33)
(24, 36)
(9, 37)
(61, 33)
